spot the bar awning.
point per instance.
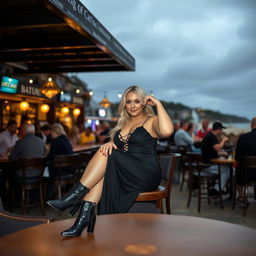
(52, 36)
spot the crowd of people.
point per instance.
(47, 133)
(48, 141)
(214, 143)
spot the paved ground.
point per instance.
(213, 211)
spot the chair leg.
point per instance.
(182, 179)
(59, 191)
(42, 204)
(189, 195)
(23, 199)
(234, 195)
(208, 192)
(168, 205)
(199, 196)
(245, 199)
(159, 204)
(220, 195)
(254, 190)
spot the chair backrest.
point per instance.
(32, 168)
(168, 163)
(248, 162)
(183, 149)
(66, 160)
(32, 163)
(195, 163)
(65, 166)
(86, 156)
(194, 158)
(11, 222)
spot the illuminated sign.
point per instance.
(9, 85)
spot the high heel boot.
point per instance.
(86, 218)
(72, 199)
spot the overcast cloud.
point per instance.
(201, 53)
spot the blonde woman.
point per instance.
(123, 167)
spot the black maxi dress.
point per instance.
(131, 169)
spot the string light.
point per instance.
(65, 110)
(45, 108)
(76, 111)
(24, 105)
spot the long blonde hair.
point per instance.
(123, 115)
(58, 129)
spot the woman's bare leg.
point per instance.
(95, 193)
(95, 170)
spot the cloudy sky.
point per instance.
(201, 53)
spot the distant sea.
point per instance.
(238, 125)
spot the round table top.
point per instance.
(135, 234)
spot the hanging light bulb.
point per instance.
(76, 111)
(45, 108)
(90, 92)
(64, 110)
(105, 103)
(119, 95)
(50, 88)
(24, 105)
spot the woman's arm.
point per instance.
(162, 124)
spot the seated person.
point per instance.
(246, 146)
(28, 146)
(103, 132)
(203, 131)
(182, 137)
(8, 138)
(45, 135)
(211, 148)
(60, 146)
(87, 136)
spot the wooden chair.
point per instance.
(199, 180)
(183, 165)
(64, 167)
(30, 177)
(11, 222)
(85, 158)
(168, 164)
(247, 162)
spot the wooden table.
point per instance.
(230, 162)
(135, 234)
(86, 147)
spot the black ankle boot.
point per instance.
(86, 218)
(72, 198)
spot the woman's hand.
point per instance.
(150, 100)
(106, 149)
